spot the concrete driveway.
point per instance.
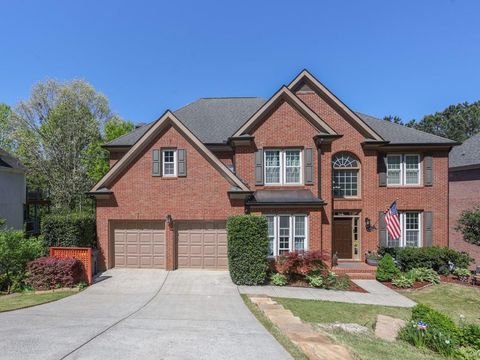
(142, 314)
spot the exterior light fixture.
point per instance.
(169, 219)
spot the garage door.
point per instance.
(202, 245)
(139, 244)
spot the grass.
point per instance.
(452, 299)
(370, 347)
(329, 312)
(18, 301)
(296, 353)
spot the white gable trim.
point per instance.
(319, 87)
(167, 118)
(285, 94)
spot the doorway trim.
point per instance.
(356, 231)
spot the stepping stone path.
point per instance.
(387, 327)
(316, 345)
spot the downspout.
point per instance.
(319, 181)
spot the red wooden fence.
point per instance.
(80, 253)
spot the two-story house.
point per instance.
(321, 173)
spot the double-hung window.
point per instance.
(410, 228)
(403, 169)
(286, 233)
(283, 167)
(169, 162)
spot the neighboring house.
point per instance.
(464, 179)
(174, 182)
(12, 190)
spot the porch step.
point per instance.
(361, 276)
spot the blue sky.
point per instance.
(407, 58)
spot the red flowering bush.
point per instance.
(49, 272)
(300, 263)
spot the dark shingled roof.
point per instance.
(9, 161)
(399, 134)
(214, 120)
(467, 154)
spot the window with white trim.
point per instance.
(410, 228)
(346, 170)
(286, 233)
(283, 167)
(169, 163)
(403, 169)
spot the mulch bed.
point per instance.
(421, 285)
(302, 283)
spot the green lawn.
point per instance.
(18, 301)
(454, 300)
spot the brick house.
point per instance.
(464, 191)
(319, 171)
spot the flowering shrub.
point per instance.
(300, 263)
(50, 272)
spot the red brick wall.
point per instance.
(372, 197)
(201, 195)
(464, 195)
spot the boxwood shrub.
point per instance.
(69, 230)
(247, 249)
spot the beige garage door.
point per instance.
(139, 244)
(202, 245)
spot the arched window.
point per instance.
(346, 168)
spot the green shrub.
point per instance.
(470, 335)
(424, 275)
(436, 258)
(387, 269)
(342, 283)
(403, 281)
(279, 279)
(247, 249)
(469, 225)
(436, 320)
(15, 252)
(69, 230)
(314, 280)
(462, 274)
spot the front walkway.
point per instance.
(377, 294)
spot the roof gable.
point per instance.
(284, 94)
(307, 82)
(168, 118)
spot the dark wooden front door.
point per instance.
(342, 238)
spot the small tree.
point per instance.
(469, 225)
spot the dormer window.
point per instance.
(283, 166)
(169, 163)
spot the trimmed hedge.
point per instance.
(69, 230)
(50, 272)
(247, 249)
(435, 258)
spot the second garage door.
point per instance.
(139, 244)
(202, 245)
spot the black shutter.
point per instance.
(308, 167)
(428, 170)
(156, 163)
(182, 162)
(428, 226)
(382, 229)
(382, 169)
(259, 167)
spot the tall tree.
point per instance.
(6, 129)
(97, 159)
(393, 119)
(54, 129)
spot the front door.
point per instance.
(342, 238)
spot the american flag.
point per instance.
(392, 219)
